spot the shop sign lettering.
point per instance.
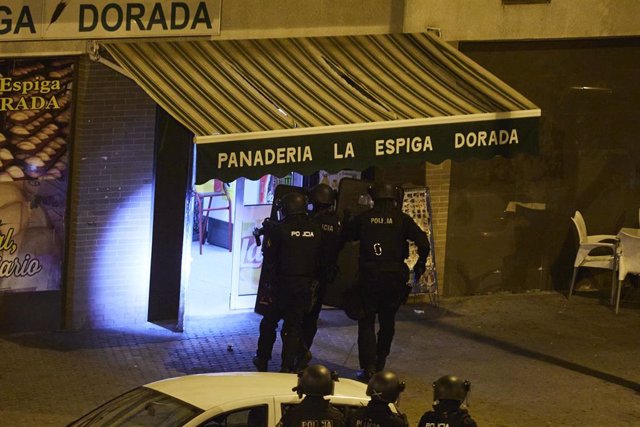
(398, 146)
(71, 19)
(16, 22)
(486, 139)
(358, 148)
(16, 267)
(35, 94)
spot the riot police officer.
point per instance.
(449, 393)
(315, 382)
(383, 232)
(384, 388)
(322, 198)
(293, 247)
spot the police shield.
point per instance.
(353, 199)
(264, 297)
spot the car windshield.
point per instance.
(140, 407)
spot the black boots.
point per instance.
(260, 364)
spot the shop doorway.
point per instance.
(224, 255)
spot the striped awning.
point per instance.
(304, 104)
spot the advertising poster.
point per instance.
(416, 204)
(250, 252)
(35, 123)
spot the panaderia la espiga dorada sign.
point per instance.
(102, 19)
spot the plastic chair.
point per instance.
(206, 193)
(628, 260)
(583, 257)
(579, 219)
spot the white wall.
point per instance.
(242, 19)
(490, 20)
(458, 20)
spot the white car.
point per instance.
(254, 399)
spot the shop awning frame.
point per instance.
(263, 97)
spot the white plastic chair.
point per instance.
(588, 244)
(579, 219)
(628, 260)
(206, 193)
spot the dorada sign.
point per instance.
(102, 19)
(353, 147)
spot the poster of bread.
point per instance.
(35, 124)
(416, 204)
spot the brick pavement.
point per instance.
(533, 359)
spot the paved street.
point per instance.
(533, 359)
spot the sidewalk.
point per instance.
(533, 359)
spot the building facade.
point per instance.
(115, 150)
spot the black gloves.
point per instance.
(418, 269)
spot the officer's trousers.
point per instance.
(380, 299)
(310, 319)
(268, 326)
(293, 300)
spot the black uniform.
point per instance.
(447, 414)
(293, 248)
(383, 232)
(332, 243)
(377, 414)
(313, 411)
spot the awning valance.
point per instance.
(304, 104)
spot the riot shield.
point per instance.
(353, 199)
(263, 297)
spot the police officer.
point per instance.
(293, 248)
(383, 232)
(271, 313)
(449, 393)
(384, 388)
(322, 198)
(314, 383)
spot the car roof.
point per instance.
(208, 390)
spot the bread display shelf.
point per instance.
(17, 73)
(33, 142)
(32, 170)
(18, 117)
(24, 131)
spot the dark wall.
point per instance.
(111, 200)
(174, 148)
(589, 161)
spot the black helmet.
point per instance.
(322, 194)
(293, 203)
(316, 380)
(383, 190)
(451, 388)
(385, 387)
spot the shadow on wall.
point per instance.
(588, 160)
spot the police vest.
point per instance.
(299, 248)
(313, 413)
(331, 234)
(459, 418)
(382, 236)
(377, 416)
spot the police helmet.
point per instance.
(451, 388)
(383, 190)
(293, 203)
(385, 387)
(316, 380)
(322, 194)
